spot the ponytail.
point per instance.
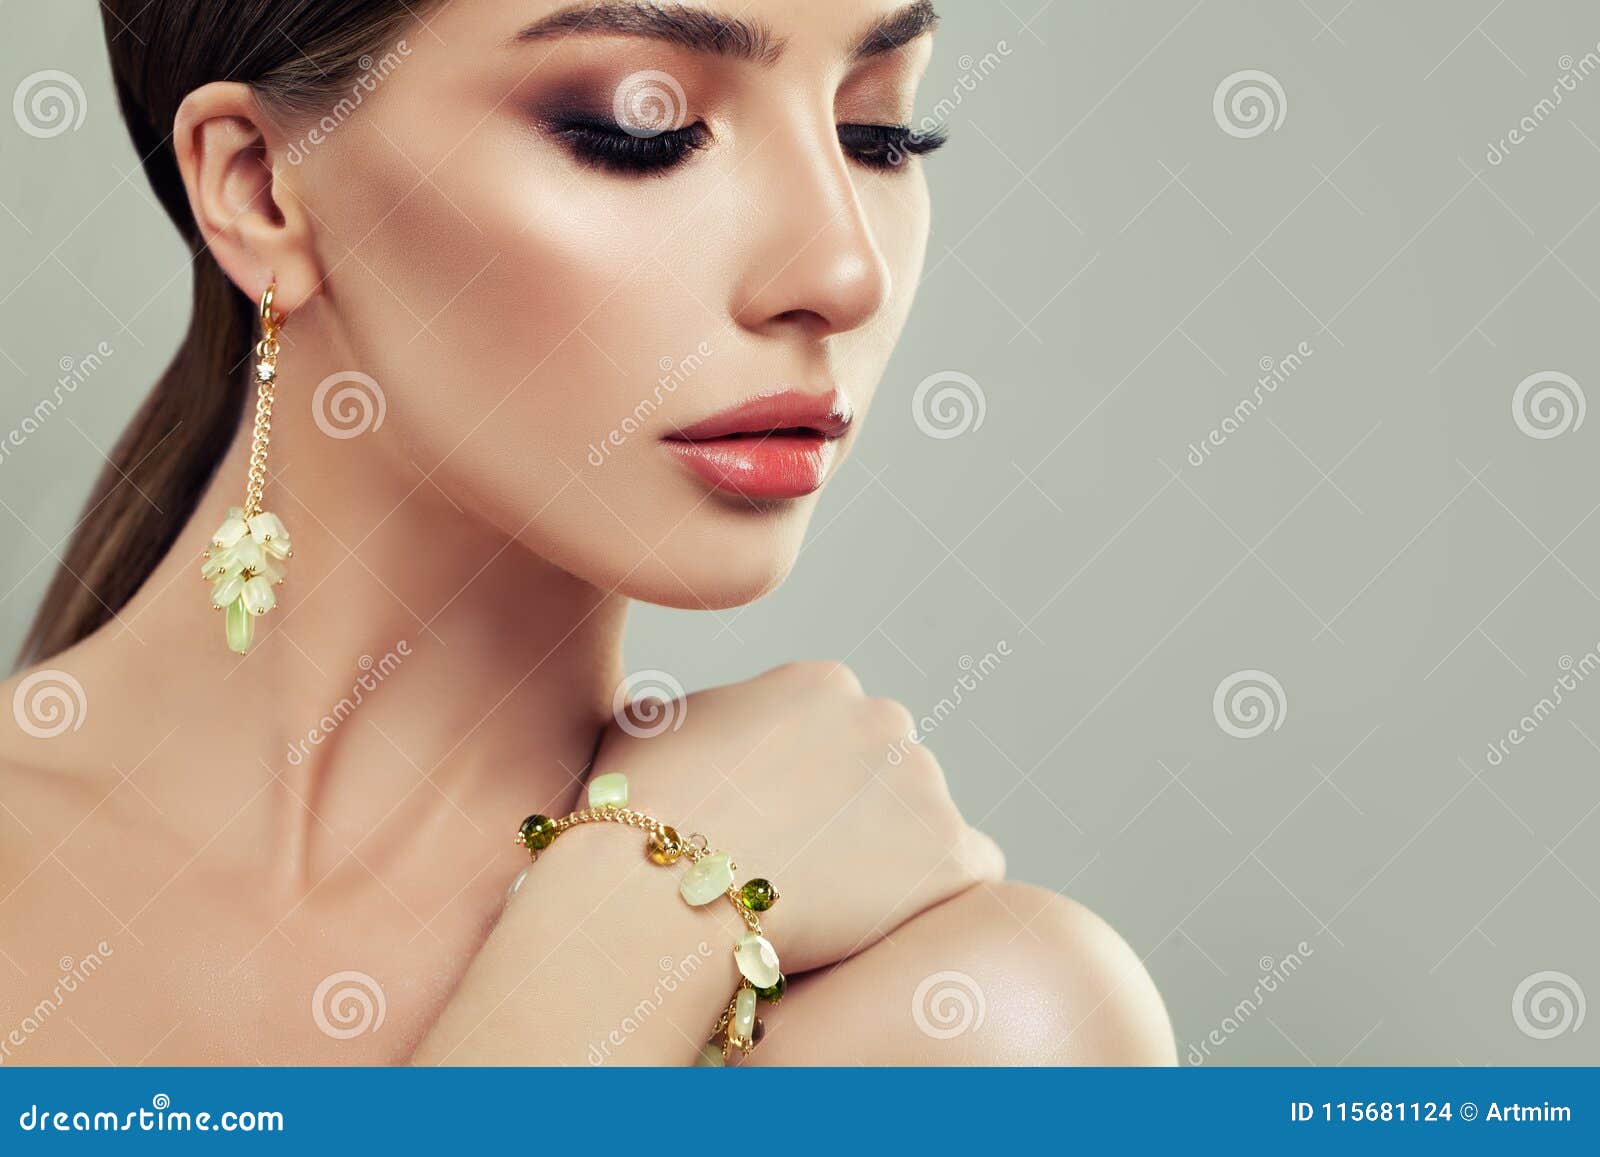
(157, 473)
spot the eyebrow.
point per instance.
(701, 30)
(897, 30)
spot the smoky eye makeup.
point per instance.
(585, 122)
(888, 148)
(604, 144)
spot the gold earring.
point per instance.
(242, 564)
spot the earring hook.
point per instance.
(270, 321)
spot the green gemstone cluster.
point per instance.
(242, 564)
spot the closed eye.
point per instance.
(607, 145)
(888, 148)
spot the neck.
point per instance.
(424, 682)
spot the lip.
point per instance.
(776, 446)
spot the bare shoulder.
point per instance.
(32, 808)
(41, 807)
(1002, 974)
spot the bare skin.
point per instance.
(220, 865)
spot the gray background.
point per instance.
(1109, 266)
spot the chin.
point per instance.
(697, 586)
(715, 567)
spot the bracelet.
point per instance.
(709, 877)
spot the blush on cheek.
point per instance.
(547, 322)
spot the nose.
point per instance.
(813, 262)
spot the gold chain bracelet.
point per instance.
(710, 877)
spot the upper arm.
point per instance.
(1002, 974)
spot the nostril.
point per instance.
(808, 319)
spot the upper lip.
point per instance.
(826, 414)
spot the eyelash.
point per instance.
(608, 146)
(888, 147)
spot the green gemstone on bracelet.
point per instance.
(757, 960)
(538, 832)
(609, 790)
(710, 1057)
(743, 1022)
(711, 877)
(758, 895)
(774, 992)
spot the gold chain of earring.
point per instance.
(266, 391)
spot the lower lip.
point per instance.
(775, 467)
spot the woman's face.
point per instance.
(629, 276)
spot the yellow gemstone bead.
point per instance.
(665, 847)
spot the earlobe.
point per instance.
(247, 216)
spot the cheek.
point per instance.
(527, 295)
(541, 313)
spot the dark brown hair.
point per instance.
(300, 57)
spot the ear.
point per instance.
(243, 202)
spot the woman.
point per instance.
(616, 283)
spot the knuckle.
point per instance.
(923, 780)
(890, 719)
(841, 677)
(821, 673)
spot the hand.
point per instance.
(811, 784)
(803, 780)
